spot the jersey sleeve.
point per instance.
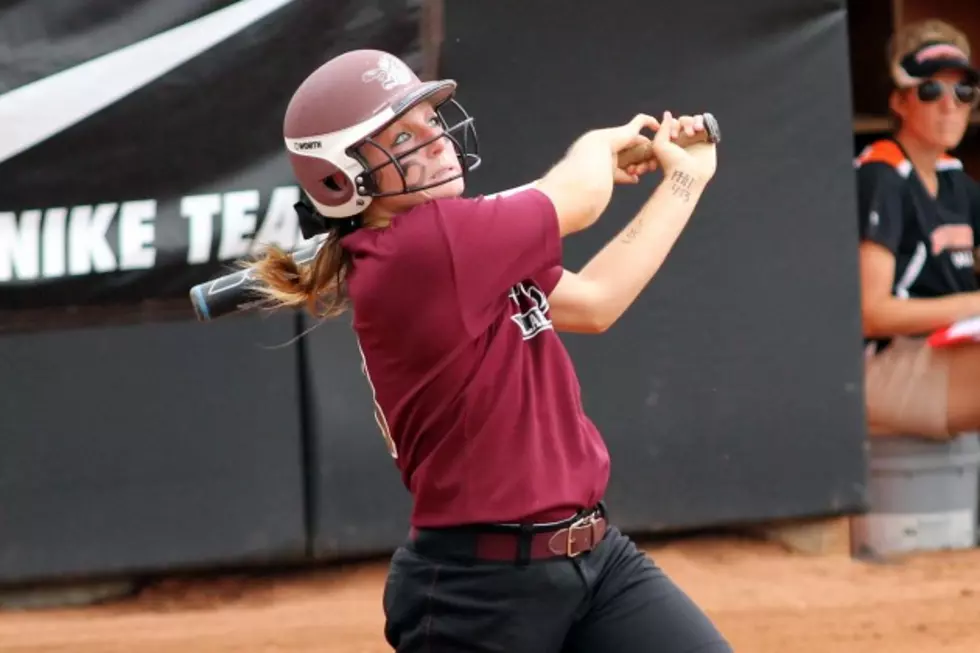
(548, 279)
(476, 249)
(880, 195)
(974, 190)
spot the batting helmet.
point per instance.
(345, 102)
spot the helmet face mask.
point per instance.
(461, 136)
(337, 112)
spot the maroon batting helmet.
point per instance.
(345, 102)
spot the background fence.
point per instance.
(134, 439)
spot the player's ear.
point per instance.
(337, 183)
(898, 102)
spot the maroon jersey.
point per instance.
(475, 394)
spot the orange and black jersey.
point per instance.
(933, 239)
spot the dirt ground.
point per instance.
(764, 598)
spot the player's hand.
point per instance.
(624, 137)
(698, 159)
(631, 174)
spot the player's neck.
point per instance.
(923, 156)
(376, 217)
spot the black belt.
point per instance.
(515, 542)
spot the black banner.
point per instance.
(141, 141)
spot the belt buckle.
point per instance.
(589, 520)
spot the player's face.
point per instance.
(427, 165)
(937, 113)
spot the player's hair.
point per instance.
(319, 287)
(914, 35)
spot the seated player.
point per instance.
(919, 216)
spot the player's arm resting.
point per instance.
(882, 215)
(974, 188)
(580, 185)
(591, 300)
(885, 315)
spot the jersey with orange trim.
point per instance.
(933, 239)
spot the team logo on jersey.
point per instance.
(957, 239)
(532, 310)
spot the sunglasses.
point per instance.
(933, 89)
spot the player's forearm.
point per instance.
(581, 184)
(628, 262)
(891, 316)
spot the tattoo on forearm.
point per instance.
(680, 185)
(632, 231)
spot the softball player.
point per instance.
(919, 220)
(456, 304)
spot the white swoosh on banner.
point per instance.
(36, 111)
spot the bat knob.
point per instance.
(712, 128)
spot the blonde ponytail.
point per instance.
(319, 287)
